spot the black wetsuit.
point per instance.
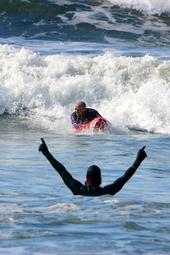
(78, 188)
(87, 116)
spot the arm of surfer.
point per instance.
(70, 182)
(77, 126)
(74, 122)
(141, 155)
(55, 163)
(119, 183)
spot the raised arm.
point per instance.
(119, 183)
(71, 183)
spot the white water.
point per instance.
(125, 90)
(147, 6)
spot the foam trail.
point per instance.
(125, 90)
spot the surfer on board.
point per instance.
(93, 176)
(82, 116)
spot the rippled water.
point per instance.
(39, 215)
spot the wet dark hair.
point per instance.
(93, 176)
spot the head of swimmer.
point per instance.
(93, 176)
(80, 108)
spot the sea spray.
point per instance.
(146, 6)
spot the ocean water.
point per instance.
(115, 55)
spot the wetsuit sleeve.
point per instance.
(74, 185)
(94, 113)
(120, 182)
(74, 122)
(97, 114)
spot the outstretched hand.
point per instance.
(43, 147)
(141, 155)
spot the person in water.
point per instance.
(83, 115)
(93, 176)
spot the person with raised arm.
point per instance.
(93, 177)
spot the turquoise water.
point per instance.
(39, 215)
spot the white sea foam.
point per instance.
(125, 90)
(147, 6)
(63, 207)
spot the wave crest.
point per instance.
(125, 90)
